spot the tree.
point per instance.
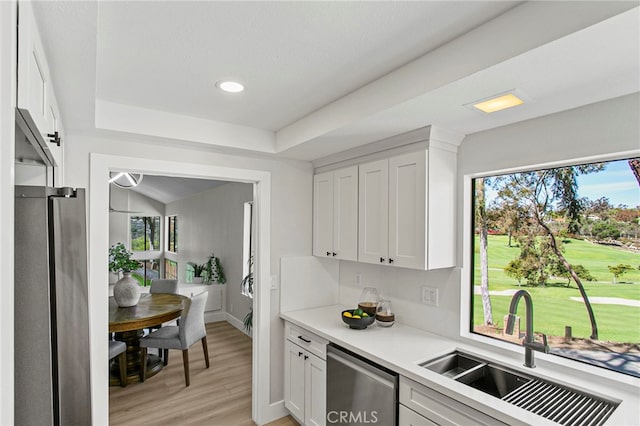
(600, 207)
(605, 230)
(558, 270)
(533, 262)
(619, 270)
(515, 270)
(481, 219)
(539, 192)
(508, 218)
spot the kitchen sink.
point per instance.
(550, 400)
(493, 380)
(454, 364)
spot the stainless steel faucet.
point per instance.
(528, 342)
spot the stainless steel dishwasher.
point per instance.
(359, 392)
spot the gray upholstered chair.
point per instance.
(119, 348)
(190, 330)
(164, 286)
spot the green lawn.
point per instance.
(141, 280)
(553, 305)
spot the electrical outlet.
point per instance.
(274, 282)
(430, 296)
(359, 280)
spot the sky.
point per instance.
(616, 182)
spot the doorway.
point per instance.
(100, 166)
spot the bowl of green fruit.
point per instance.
(357, 318)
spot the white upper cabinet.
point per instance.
(407, 194)
(345, 213)
(407, 210)
(36, 103)
(373, 212)
(323, 214)
(400, 199)
(335, 214)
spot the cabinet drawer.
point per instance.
(439, 408)
(307, 340)
(407, 417)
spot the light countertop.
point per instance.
(402, 348)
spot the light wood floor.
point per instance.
(220, 395)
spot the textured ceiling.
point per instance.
(294, 57)
(323, 77)
(167, 189)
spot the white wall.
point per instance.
(599, 129)
(212, 222)
(291, 183)
(8, 44)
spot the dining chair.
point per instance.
(190, 329)
(164, 286)
(119, 348)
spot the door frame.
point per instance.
(98, 216)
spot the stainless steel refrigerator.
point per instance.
(52, 377)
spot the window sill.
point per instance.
(550, 362)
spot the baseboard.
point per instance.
(274, 411)
(237, 324)
(215, 316)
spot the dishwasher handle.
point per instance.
(362, 367)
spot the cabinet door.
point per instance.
(54, 123)
(33, 74)
(323, 214)
(407, 195)
(345, 213)
(294, 377)
(315, 391)
(373, 212)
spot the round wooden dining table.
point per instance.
(128, 324)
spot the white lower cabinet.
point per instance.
(421, 405)
(305, 377)
(407, 417)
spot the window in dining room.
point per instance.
(172, 234)
(149, 270)
(145, 233)
(170, 269)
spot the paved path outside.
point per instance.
(610, 301)
(628, 363)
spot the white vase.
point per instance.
(126, 292)
(197, 280)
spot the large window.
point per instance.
(570, 237)
(145, 233)
(172, 234)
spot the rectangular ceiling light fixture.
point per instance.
(498, 103)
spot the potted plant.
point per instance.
(198, 271)
(213, 271)
(246, 288)
(126, 291)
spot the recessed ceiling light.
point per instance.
(230, 86)
(498, 103)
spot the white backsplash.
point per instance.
(403, 287)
